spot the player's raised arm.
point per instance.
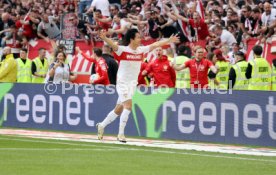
(111, 43)
(172, 39)
(178, 67)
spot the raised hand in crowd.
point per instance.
(78, 50)
(174, 39)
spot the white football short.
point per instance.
(125, 91)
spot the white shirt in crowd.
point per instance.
(102, 5)
(50, 28)
(123, 23)
(268, 19)
(227, 38)
(62, 74)
(231, 58)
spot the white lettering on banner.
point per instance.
(252, 124)
(186, 117)
(73, 110)
(55, 105)
(229, 107)
(204, 118)
(57, 99)
(86, 101)
(7, 97)
(252, 120)
(25, 107)
(271, 109)
(39, 108)
(167, 105)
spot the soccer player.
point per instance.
(130, 58)
(100, 66)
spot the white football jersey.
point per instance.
(130, 63)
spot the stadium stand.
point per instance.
(230, 26)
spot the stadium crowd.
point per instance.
(218, 29)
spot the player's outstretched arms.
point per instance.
(172, 39)
(111, 43)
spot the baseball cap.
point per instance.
(218, 54)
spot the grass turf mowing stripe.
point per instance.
(200, 154)
(54, 142)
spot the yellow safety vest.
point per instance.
(223, 74)
(241, 82)
(273, 77)
(8, 69)
(24, 71)
(40, 70)
(261, 75)
(183, 76)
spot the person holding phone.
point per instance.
(59, 71)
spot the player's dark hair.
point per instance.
(98, 52)
(131, 33)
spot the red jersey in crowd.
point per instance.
(141, 78)
(199, 72)
(201, 27)
(100, 69)
(103, 25)
(162, 72)
(27, 28)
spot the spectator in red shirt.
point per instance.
(198, 24)
(100, 66)
(199, 67)
(25, 24)
(162, 72)
(100, 23)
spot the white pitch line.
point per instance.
(56, 149)
(146, 150)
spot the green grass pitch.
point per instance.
(26, 156)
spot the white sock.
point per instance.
(109, 118)
(123, 121)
